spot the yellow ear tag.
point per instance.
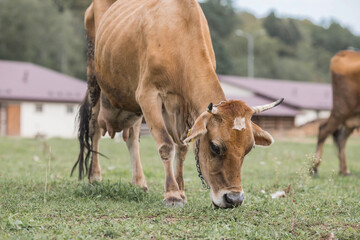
(188, 134)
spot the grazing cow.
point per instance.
(154, 58)
(345, 115)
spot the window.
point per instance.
(38, 108)
(69, 108)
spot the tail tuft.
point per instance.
(83, 119)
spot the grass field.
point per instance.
(314, 208)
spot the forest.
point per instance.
(51, 33)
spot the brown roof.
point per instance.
(30, 82)
(301, 95)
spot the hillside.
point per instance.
(284, 48)
(51, 33)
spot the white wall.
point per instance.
(2, 119)
(306, 116)
(53, 121)
(231, 90)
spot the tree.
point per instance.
(51, 33)
(74, 5)
(221, 19)
(283, 29)
(335, 38)
(35, 31)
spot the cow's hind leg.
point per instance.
(88, 133)
(340, 137)
(132, 143)
(95, 169)
(151, 105)
(180, 154)
(88, 136)
(325, 130)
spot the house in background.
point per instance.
(38, 101)
(304, 101)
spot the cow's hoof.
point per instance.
(141, 184)
(183, 196)
(174, 202)
(346, 173)
(313, 171)
(95, 178)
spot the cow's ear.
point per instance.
(199, 127)
(262, 138)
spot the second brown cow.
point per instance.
(345, 114)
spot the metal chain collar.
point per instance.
(203, 182)
(197, 145)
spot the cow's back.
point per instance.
(161, 38)
(346, 63)
(345, 74)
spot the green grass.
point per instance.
(314, 207)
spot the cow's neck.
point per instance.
(200, 91)
(206, 89)
(199, 86)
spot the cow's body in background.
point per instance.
(345, 115)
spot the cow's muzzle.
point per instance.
(233, 199)
(229, 199)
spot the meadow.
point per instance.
(39, 199)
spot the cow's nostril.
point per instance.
(234, 199)
(227, 199)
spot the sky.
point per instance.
(346, 12)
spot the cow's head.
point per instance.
(226, 134)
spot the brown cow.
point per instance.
(345, 115)
(155, 59)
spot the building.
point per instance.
(38, 101)
(304, 101)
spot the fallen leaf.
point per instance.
(287, 189)
(330, 236)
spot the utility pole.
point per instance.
(250, 39)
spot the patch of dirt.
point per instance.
(105, 217)
(120, 219)
(329, 236)
(171, 219)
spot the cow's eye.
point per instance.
(215, 148)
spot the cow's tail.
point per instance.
(84, 137)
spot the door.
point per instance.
(13, 120)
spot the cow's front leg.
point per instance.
(151, 105)
(180, 154)
(325, 130)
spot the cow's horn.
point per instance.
(210, 107)
(262, 108)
